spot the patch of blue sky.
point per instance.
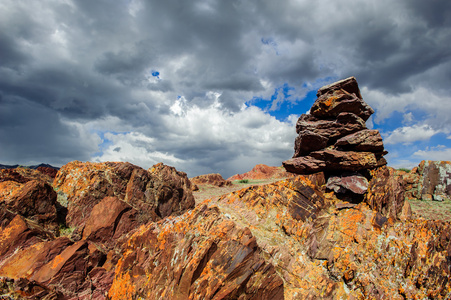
(284, 103)
(105, 141)
(155, 73)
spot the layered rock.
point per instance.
(48, 251)
(262, 171)
(159, 192)
(210, 179)
(434, 180)
(334, 137)
(285, 240)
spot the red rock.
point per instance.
(332, 160)
(262, 171)
(354, 183)
(51, 172)
(156, 193)
(109, 220)
(199, 255)
(210, 179)
(385, 192)
(346, 123)
(341, 96)
(365, 140)
(36, 201)
(307, 142)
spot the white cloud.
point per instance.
(206, 140)
(435, 106)
(435, 153)
(410, 134)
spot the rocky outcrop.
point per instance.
(333, 137)
(262, 171)
(431, 180)
(285, 240)
(48, 251)
(199, 255)
(210, 179)
(155, 194)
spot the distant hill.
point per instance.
(34, 167)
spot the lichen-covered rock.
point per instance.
(157, 193)
(365, 140)
(199, 255)
(262, 171)
(210, 179)
(342, 96)
(333, 135)
(333, 160)
(23, 175)
(435, 180)
(343, 251)
(386, 192)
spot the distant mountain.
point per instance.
(34, 167)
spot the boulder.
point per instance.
(159, 192)
(332, 103)
(365, 140)
(333, 136)
(200, 255)
(333, 160)
(308, 141)
(354, 183)
(386, 193)
(435, 182)
(332, 130)
(210, 179)
(262, 171)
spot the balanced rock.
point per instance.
(333, 138)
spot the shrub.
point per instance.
(243, 181)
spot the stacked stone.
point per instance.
(333, 137)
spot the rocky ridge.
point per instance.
(262, 171)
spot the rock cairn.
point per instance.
(333, 138)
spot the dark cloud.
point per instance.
(74, 70)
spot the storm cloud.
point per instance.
(183, 82)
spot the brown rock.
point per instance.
(354, 183)
(332, 103)
(109, 220)
(155, 194)
(346, 123)
(199, 255)
(435, 180)
(172, 190)
(349, 85)
(307, 142)
(51, 172)
(365, 140)
(332, 160)
(210, 179)
(36, 201)
(385, 192)
(262, 171)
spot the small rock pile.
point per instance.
(333, 138)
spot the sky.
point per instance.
(215, 86)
